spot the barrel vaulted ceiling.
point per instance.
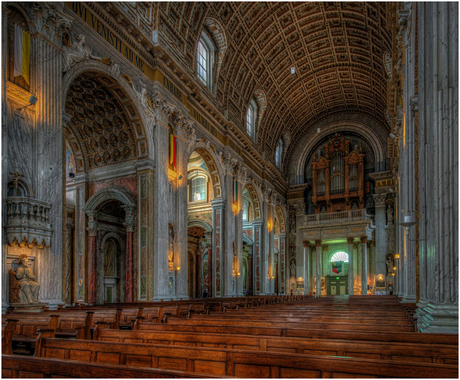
(337, 49)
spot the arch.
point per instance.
(350, 126)
(211, 162)
(247, 239)
(199, 223)
(339, 256)
(27, 187)
(134, 109)
(117, 238)
(281, 219)
(255, 200)
(107, 195)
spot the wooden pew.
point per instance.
(240, 363)
(409, 337)
(433, 353)
(26, 366)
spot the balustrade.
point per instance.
(329, 217)
(28, 221)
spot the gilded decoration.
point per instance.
(101, 130)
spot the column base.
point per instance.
(408, 298)
(437, 318)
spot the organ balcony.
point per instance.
(28, 222)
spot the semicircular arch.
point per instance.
(105, 195)
(255, 199)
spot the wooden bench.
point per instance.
(26, 366)
(434, 353)
(410, 337)
(240, 363)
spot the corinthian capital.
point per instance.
(51, 21)
(379, 200)
(162, 108)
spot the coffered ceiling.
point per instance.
(336, 48)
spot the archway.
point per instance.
(102, 129)
(252, 218)
(204, 185)
(337, 280)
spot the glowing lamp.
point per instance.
(397, 256)
(394, 268)
(178, 268)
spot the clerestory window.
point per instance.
(205, 60)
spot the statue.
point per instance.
(390, 214)
(389, 263)
(79, 52)
(29, 287)
(292, 267)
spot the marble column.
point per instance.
(250, 275)
(257, 259)
(350, 266)
(282, 263)
(68, 265)
(46, 85)
(380, 234)
(356, 263)
(230, 244)
(438, 166)
(318, 266)
(241, 178)
(162, 207)
(218, 212)
(210, 273)
(364, 265)
(129, 224)
(145, 207)
(306, 268)
(179, 197)
(4, 143)
(92, 229)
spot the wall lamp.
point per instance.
(397, 256)
(32, 100)
(177, 269)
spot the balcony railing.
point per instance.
(339, 216)
(28, 222)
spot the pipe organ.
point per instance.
(338, 176)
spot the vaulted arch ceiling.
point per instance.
(337, 50)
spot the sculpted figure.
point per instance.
(29, 287)
(77, 53)
(292, 267)
(389, 263)
(390, 214)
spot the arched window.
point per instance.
(340, 256)
(198, 189)
(205, 60)
(251, 118)
(245, 211)
(279, 152)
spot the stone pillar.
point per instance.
(5, 140)
(356, 264)
(251, 274)
(218, 211)
(380, 234)
(129, 224)
(350, 266)
(68, 264)
(271, 246)
(241, 178)
(230, 250)
(145, 207)
(306, 271)
(364, 265)
(162, 207)
(46, 85)
(257, 259)
(92, 230)
(81, 276)
(318, 266)
(282, 263)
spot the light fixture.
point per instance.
(178, 269)
(397, 256)
(409, 221)
(239, 273)
(394, 268)
(32, 100)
